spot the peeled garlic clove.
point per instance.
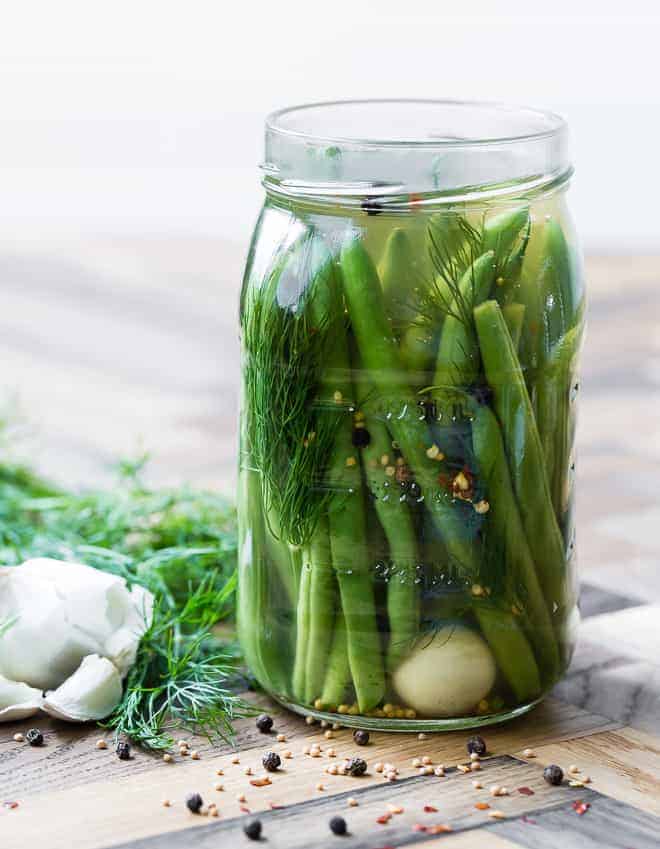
(17, 700)
(122, 645)
(447, 675)
(91, 692)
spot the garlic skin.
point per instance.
(62, 614)
(447, 675)
(17, 700)
(90, 693)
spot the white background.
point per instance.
(146, 117)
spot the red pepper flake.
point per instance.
(581, 807)
(482, 806)
(244, 810)
(429, 809)
(10, 805)
(260, 782)
(419, 827)
(439, 829)
(274, 807)
(383, 819)
(527, 820)
(526, 791)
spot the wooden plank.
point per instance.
(608, 824)
(623, 764)
(306, 823)
(70, 758)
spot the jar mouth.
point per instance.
(314, 122)
(391, 147)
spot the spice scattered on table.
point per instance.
(35, 737)
(581, 807)
(252, 829)
(338, 825)
(351, 802)
(261, 782)
(529, 753)
(525, 791)
(18, 738)
(361, 737)
(383, 819)
(264, 723)
(10, 805)
(194, 802)
(429, 809)
(168, 758)
(553, 774)
(271, 761)
(123, 751)
(482, 806)
(476, 745)
(355, 767)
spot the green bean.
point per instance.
(500, 235)
(398, 274)
(263, 648)
(505, 537)
(322, 604)
(397, 522)
(554, 416)
(514, 315)
(299, 683)
(512, 651)
(338, 672)
(458, 355)
(524, 451)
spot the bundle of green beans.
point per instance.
(406, 442)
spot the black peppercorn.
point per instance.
(476, 746)
(264, 723)
(355, 767)
(271, 761)
(361, 437)
(123, 751)
(194, 802)
(361, 737)
(371, 207)
(35, 737)
(253, 829)
(553, 774)
(338, 825)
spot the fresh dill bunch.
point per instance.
(181, 544)
(290, 433)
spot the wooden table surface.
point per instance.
(112, 340)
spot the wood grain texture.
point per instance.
(305, 823)
(69, 759)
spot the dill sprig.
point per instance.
(180, 544)
(183, 677)
(454, 244)
(290, 435)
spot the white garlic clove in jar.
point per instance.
(448, 674)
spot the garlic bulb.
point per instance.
(448, 674)
(63, 619)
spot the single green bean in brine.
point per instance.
(506, 543)
(524, 452)
(382, 472)
(399, 275)
(457, 363)
(514, 316)
(338, 672)
(507, 235)
(323, 600)
(512, 650)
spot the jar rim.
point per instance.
(436, 150)
(556, 124)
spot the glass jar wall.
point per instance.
(411, 318)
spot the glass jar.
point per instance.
(411, 319)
